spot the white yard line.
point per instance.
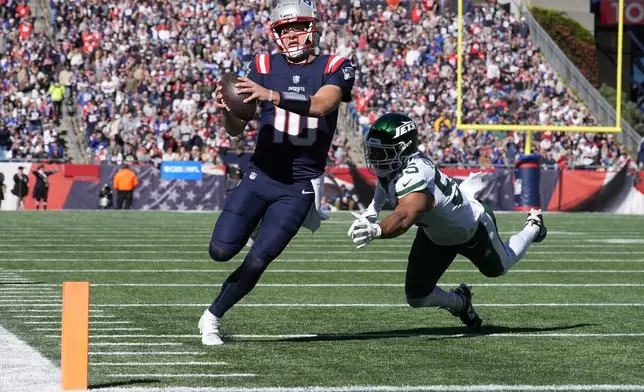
(372, 305)
(109, 344)
(372, 284)
(322, 271)
(155, 364)
(396, 388)
(93, 285)
(91, 322)
(92, 329)
(348, 305)
(126, 353)
(204, 252)
(182, 375)
(27, 302)
(402, 260)
(44, 310)
(58, 316)
(383, 335)
(16, 358)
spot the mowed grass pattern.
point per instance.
(325, 313)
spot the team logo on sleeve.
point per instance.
(349, 73)
(405, 127)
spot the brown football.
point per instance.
(241, 110)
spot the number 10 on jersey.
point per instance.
(290, 124)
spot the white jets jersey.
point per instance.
(455, 216)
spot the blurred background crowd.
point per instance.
(142, 75)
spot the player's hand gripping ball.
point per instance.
(235, 100)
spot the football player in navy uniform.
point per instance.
(299, 92)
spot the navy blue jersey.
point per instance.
(290, 147)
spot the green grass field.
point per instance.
(570, 316)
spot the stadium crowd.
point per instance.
(145, 73)
(29, 95)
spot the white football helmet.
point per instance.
(296, 11)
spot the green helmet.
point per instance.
(390, 142)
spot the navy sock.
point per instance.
(238, 284)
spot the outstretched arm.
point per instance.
(409, 210)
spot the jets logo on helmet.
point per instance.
(288, 12)
(390, 142)
(406, 127)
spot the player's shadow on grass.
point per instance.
(430, 333)
(124, 383)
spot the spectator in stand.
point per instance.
(28, 61)
(144, 76)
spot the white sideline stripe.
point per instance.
(300, 336)
(43, 310)
(373, 284)
(58, 316)
(343, 285)
(157, 363)
(135, 344)
(204, 252)
(368, 305)
(17, 356)
(8, 293)
(283, 260)
(325, 245)
(93, 329)
(27, 296)
(392, 388)
(356, 305)
(27, 302)
(183, 375)
(91, 322)
(228, 271)
(115, 353)
(404, 247)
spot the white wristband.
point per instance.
(270, 96)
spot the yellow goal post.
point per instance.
(538, 128)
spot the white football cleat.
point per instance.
(535, 218)
(209, 329)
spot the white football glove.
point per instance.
(370, 214)
(363, 231)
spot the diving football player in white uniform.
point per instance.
(449, 221)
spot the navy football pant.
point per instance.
(282, 209)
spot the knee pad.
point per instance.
(219, 254)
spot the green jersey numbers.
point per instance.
(454, 216)
(448, 187)
(413, 180)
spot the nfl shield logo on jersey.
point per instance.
(252, 175)
(296, 79)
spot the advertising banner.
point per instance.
(181, 170)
